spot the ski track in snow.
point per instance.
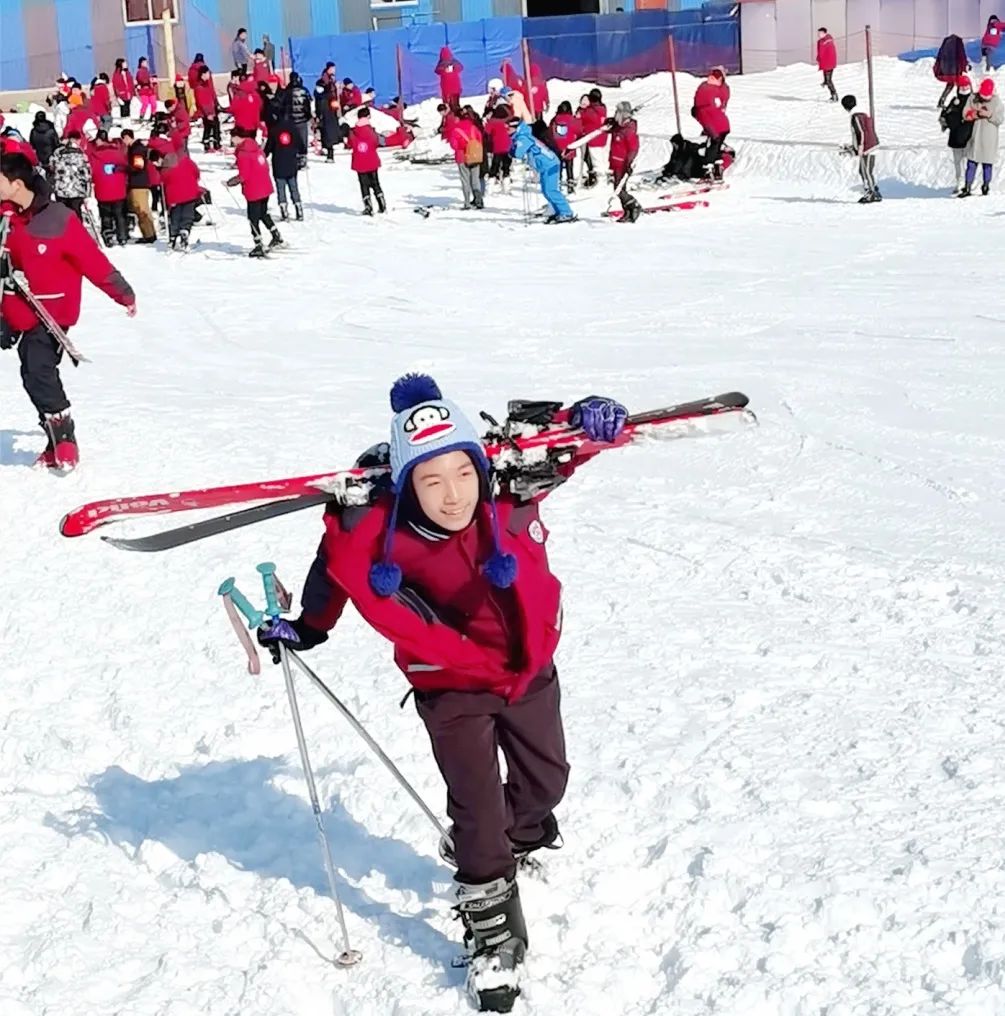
(783, 648)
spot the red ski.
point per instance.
(682, 206)
(707, 188)
(521, 451)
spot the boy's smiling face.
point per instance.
(447, 488)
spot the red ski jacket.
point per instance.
(624, 145)
(498, 136)
(182, 120)
(76, 120)
(11, 145)
(180, 177)
(101, 100)
(193, 73)
(539, 89)
(827, 53)
(205, 97)
(246, 107)
(123, 85)
(50, 245)
(365, 144)
(350, 97)
(592, 117)
(253, 169)
(565, 128)
(992, 35)
(710, 108)
(144, 83)
(464, 132)
(110, 170)
(449, 71)
(463, 634)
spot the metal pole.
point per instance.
(673, 80)
(401, 87)
(371, 743)
(349, 956)
(868, 68)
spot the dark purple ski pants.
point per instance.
(467, 731)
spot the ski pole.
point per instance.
(371, 743)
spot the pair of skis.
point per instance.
(527, 454)
(20, 283)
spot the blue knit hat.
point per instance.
(425, 425)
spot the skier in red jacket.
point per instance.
(256, 184)
(101, 101)
(48, 243)
(709, 109)
(566, 127)
(457, 579)
(593, 115)
(110, 173)
(123, 86)
(827, 60)
(246, 107)
(349, 95)
(365, 143)
(182, 190)
(624, 151)
(449, 72)
(207, 106)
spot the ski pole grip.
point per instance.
(268, 572)
(252, 616)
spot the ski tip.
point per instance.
(69, 526)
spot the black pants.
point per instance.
(500, 165)
(114, 223)
(467, 731)
(713, 154)
(211, 132)
(945, 93)
(829, 82)
(156, 198)
(40, 354)
(369, 183)
(626, 199)
(258, 215)
(568, 169)
(75, 205)
(591, 173)
(124, 108)
(181, 219)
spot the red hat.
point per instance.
(987, 88)
(964, 82)
(179, 80)
(273, 79)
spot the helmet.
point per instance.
(495, 85)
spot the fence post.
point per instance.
(401, 87)
(673, 79)
(868, 68)
(168, 50)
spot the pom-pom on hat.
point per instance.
(425, 425)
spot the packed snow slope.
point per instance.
(783, 654)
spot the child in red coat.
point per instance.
(565, 128)
(365, 142)
(256, 183)
(109, 171)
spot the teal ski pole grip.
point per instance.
(252, 616)
(268, 572)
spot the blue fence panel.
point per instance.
(351, 54)
(466, 40)
(384, 62)
(202, 30)
(139, 42)
(422, 51)
(502, 42)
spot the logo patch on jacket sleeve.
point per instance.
(536, 531)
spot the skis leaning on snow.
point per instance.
(527, 454)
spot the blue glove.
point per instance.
(601, 418)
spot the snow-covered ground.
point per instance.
(783, 653)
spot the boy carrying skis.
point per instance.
(457, 578)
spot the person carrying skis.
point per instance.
(990, 41)
(960, 130)
(593, 115)
(986, 112)
(710, 101)
(827, 60)
(457, 578)
(448, 70)
(287, 147)
(565, 128)
(863, 144)
(48, 243)
(71, 174)
(540, 158)
(256, 185)
(624, 151)
(181, 188)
